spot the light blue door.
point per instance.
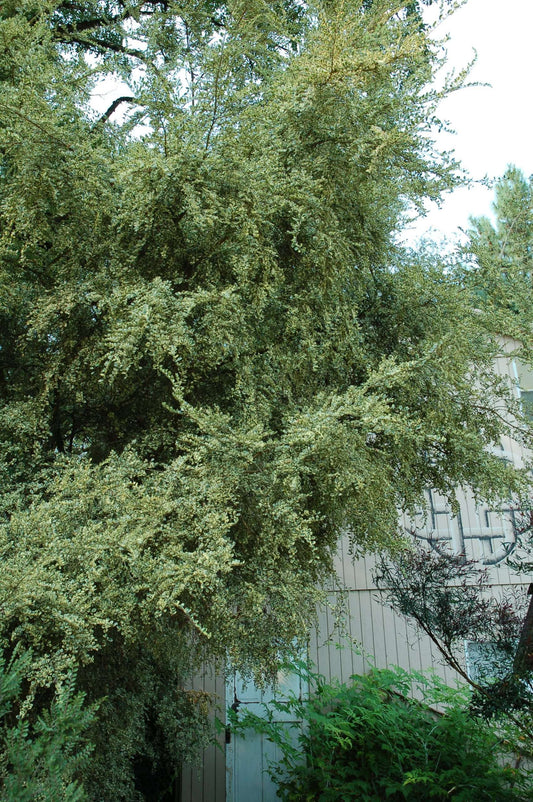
(248, 757)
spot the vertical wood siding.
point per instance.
(207, 781)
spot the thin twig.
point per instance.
(40, 127)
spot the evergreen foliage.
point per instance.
(499, 258)
(213, 356)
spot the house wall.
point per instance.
(381, 637)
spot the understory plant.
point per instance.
(41, 758)
(388, 735)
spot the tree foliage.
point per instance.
(499, 258)
(214, 357)
(450, 599)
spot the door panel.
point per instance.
(248, 758)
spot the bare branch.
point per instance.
(113, 107)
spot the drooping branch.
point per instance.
(99, 45)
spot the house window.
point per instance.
(524, 376)
(526, 396)
(486, 661)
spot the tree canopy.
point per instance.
(214, 356)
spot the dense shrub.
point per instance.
(371, 740)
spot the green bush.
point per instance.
(371, 740)
(41, 758)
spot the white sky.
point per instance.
(494, 125)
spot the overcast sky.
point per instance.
(494, 125)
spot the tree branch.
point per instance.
(99, 45)
(113, 107)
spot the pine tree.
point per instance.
(500, 258)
